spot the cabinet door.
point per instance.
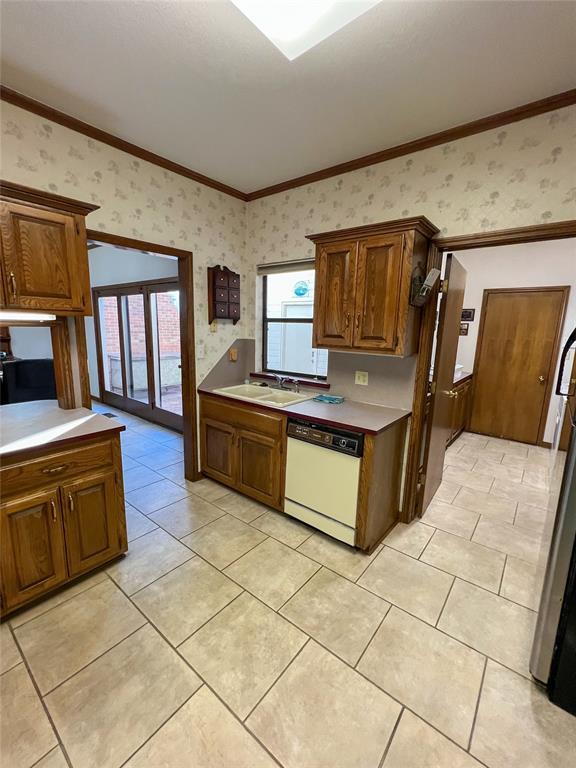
(378, 292)
(91, 521)
(33, 553)
(334, 286)
(217, 450)
(41, 265)
(260, 467)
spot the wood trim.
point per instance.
(554, 231)
(113, 289)
(188, 345)
(82, 352)
(533, 108)
(74, 124)
(138, 245)
(565, 289)
(19, 193)
(63, 363)
(419, 223)
(413, 489)
(185, 280)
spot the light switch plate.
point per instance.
(361, 377)
(233, 354)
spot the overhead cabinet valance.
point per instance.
(363, 286)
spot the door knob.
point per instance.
(541, 379)
(450, 392)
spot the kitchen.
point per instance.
(296, 546)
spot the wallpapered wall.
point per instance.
(518, 175)
(136, 199)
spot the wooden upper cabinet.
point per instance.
(363, 286)
(378, 273)
(91, 521)
(334, 302)
(32, 546)
(44, 252)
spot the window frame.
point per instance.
(288, 321)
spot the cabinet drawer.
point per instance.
(264, 423)
(35, 473)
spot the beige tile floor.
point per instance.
(231, 636)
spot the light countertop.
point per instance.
(41, 423)
(359, 417)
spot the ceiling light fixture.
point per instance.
(295, 26)
(26, 317)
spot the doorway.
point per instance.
(516, 353)
(138, 347)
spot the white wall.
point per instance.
(517, 266)
(31, 343)
(109, 266)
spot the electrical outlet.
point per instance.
(213, 326)
(361, 377)
(233, 354)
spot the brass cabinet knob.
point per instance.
(541, 379)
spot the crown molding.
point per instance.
(19, 193)
(549, 104)
(566, 99)
(56, 116)
(556, 230)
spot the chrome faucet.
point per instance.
(282, 381)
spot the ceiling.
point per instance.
(197, 83)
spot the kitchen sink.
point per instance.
(265, 395)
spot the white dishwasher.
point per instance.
(322, 474)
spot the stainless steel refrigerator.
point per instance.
(553, 660)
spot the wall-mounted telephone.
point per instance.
(422, 289)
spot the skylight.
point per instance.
(295, 26)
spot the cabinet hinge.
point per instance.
(77, 228)
(444, 286)
(432, 387)
(421, 478)
(396, 341)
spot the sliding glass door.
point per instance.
(138, 345)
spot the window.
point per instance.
(287, 338)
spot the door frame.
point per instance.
(124, 402)
(565, 291)
(414, 479)
(187, 337)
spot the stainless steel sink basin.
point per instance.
(279, 398)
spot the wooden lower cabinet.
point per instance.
(218, 447)
(244, 448)
(259, 467)
(90, 521)
(60, 517)
(33, 547)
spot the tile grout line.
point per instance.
(502, 578)
(373, 635)
(300, 588)
(391, 739)
(53, 749)
(42, 702)
(48, 610)
(477, 707)
(179, 654)
(444, 603)
(204, 623)
(96, 658)
(276, 680)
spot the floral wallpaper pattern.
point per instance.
(521, 174)
(139, 200)
(518, 175)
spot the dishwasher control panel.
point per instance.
(339, 440)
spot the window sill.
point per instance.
(302, 380)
